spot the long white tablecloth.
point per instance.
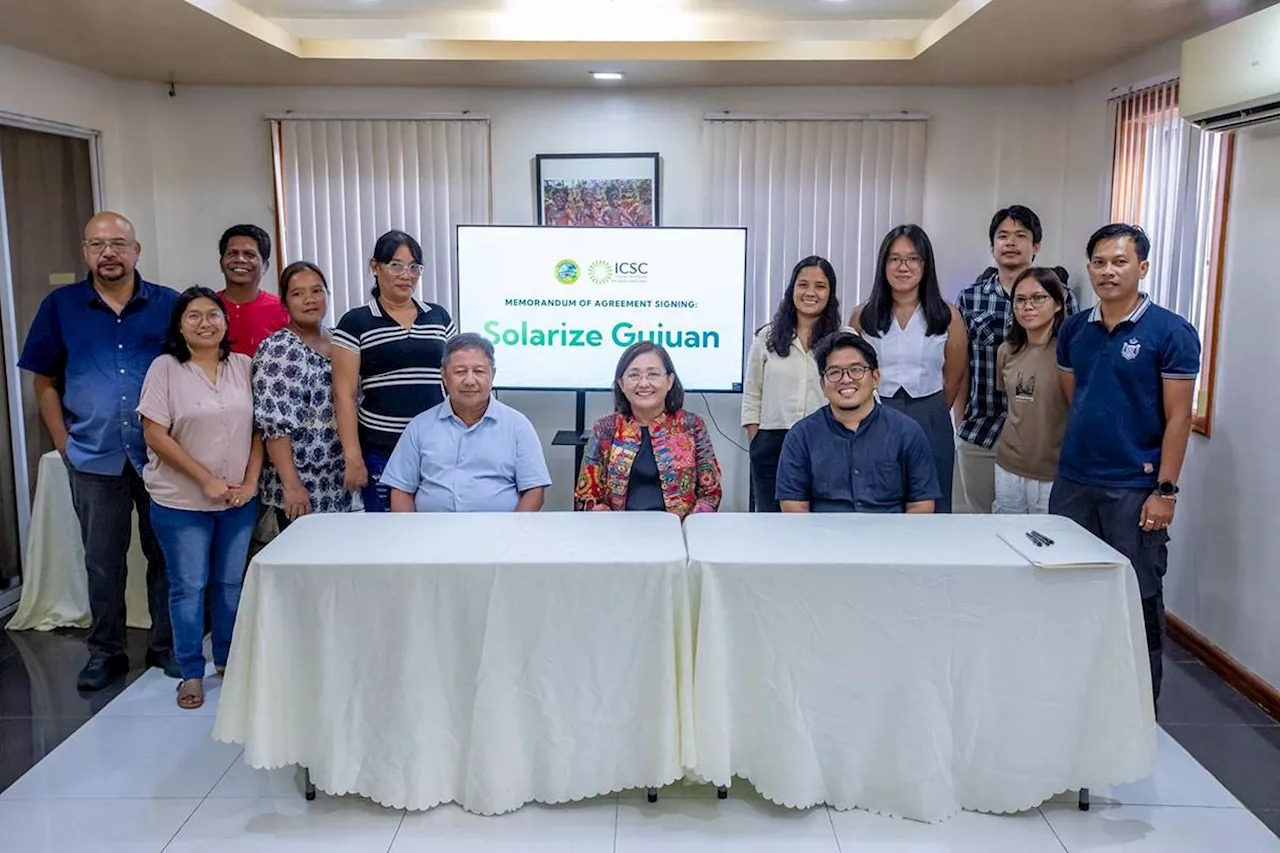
(55, 588)
(488, 660)
(914, 665)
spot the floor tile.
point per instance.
(1177, 653)
(722, 826)
(125, 757)
(1193, 694)
(245, 782)
(288, 825)
(586, 827)
(156, 694)
(26, 740)
(1245, 759)
(40, 681)
(1176, 779)
(1159, 829)
(92, 826)
(967, 832)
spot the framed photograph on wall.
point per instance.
(600, 190)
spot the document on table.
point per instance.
(1070, 550)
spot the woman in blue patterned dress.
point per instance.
(293, 405)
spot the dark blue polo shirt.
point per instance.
(100, 360)
(882, 467)
(1116, 423)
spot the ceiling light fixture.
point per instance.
(608, 75)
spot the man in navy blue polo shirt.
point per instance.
(1129, 368)
(89, 348)
(855, 455)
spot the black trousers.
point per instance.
(1112, 515)
(765, 450)
(105, 505)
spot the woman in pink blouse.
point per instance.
(650, 455)
(204, 460)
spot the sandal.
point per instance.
(221, 670)
(190, 694)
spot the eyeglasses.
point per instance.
(397, 268)
(97, 247)
(910, 261)
(652, 377)
(195, 318)
(856, 372)
(1035, 301)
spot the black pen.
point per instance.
(1045, 539)
(1033, 538)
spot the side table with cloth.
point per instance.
(485, 659)
(914, 665)
(55, 587)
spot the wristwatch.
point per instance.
(1166, 489)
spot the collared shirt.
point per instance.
(399, 367)
(779, 391)
(451, 467)
(883, 466)
(211, 421)
(99, 360)
(250, 323)
(1116, 425)
(988, 316)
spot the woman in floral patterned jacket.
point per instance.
(650, 455)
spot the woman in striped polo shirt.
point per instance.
(386, 365)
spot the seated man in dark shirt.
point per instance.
(855, 455)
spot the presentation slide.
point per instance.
(561, 304)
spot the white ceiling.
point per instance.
(555, 43)
(791, 10)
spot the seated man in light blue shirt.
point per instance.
(471, 453)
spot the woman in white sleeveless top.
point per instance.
(920, 340)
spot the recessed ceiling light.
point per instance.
(608, 75)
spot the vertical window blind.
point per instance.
(802, 187)
(342, 183)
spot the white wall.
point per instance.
(37, 87)
(1223, 577)
(987, 147)
(185, 167)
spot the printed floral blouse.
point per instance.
(293, 397)
(687, 467)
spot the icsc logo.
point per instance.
(600, 272)
(568, 271)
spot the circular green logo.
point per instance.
(600, 272)
(568, 272)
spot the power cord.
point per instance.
(712, 415)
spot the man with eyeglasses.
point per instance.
(855, 455)
(253, 314)
(89, 349)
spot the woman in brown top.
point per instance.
(1027, 372)
(202, 472)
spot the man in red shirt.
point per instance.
(253, 315)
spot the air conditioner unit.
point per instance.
(1231, 75)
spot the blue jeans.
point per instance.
(203, 550)
(377, 497)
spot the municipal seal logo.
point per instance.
(1130, 349)
(568, 272)
(600, 272)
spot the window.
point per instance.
(340, 184)
(1174, 180)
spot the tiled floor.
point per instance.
(133, 774)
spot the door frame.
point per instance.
(9, 313)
